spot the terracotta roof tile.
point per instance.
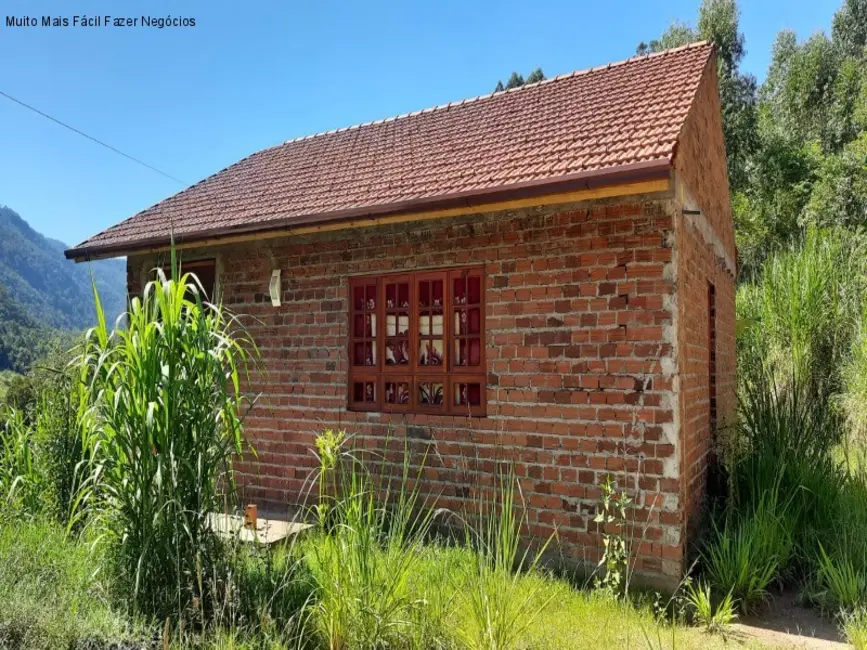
(579, 123)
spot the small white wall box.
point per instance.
(274, 288)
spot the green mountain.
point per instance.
(51, 289)
(22, 339)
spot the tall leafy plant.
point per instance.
(168, 412)
(20, 482)
(500, 605)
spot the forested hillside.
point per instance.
(22, 339)
(54, 290)
(44, 297)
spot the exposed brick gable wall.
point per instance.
(700, 159)
(705, 254)
(581, 358)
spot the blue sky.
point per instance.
(252, 74)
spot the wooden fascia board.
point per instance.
(644, 187)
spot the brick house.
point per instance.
(545, 274)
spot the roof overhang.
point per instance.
(647, 177)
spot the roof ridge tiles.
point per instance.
(446, 106)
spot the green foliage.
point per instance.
(839, 196)
(800, 376)
(53, 592)
(714, 618)
(500, 605)
(516, 80)
(807, 303)
(20, 482)
(614, 524)
(56, 595)
(795, 146)
(535, 76)
(855, 628)
(719, 21)
(6, 378)
(854, 398)
(271, 591)
(842, 579)
(168, 408)
(22, 339)
(746, 554)
(363, 566)
(850, 27)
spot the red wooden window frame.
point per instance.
(416, 342)
(205, 270)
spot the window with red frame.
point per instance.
(417, 343)
(205, 271)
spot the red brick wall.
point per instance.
(705, 254)
(581, 365)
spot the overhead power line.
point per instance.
(91, 138)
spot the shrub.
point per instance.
(842, 579)
(168, 410)
(745, 555)
(270, 589)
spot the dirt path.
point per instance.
(786, 624)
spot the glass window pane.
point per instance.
(430, 393)
(397, 392)
(468, 394)
(461, 326)
(474, 321)
(437, 293)
(430, 352)
(475, 352)
(396, 352)
(474, 289)
(364, 392)
(459, 291)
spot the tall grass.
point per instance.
(854, 398)
(748, 552)
(805, 307)
(54, 595)
(21, 485)
(802, 369)
(500, 605)
(168, 409)
(370, 547)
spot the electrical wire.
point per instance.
(91, 138)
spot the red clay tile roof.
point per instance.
(620, 116)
